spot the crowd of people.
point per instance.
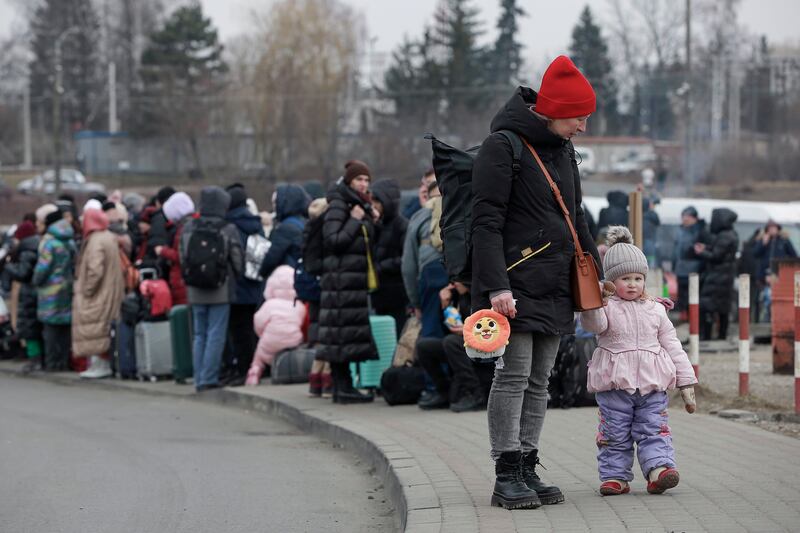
(323, 262)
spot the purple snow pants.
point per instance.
(627, 418)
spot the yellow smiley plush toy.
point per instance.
(486, 334)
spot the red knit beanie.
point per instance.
(565, 92)
(354, 168)
(25, 230)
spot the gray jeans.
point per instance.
(518, 400)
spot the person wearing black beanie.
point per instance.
(53, 217)
(162, 232)
(164, 193)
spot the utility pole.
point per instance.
(26, 127)
(687, 103)
(112, 97)
(58, 89)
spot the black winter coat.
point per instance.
(616, 214)
(520, 240)
(344, 330)
(291, 202)
(21, 269)
(716, 283)
(388, 249)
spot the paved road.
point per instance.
(92, 460)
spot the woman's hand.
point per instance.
(699, 247)
(505, 305)
(357, 212)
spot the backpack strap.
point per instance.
(516, 150)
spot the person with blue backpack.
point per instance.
(522, 251)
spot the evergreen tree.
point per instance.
(414, 81)
(182, 69)
(758, 103)
(506, 56)
(589, 52)
(82, 78)
(456, 32)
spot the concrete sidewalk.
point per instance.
(734, 477)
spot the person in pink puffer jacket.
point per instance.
(638, 358)
(277, 323)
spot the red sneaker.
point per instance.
(614, 488)
(667, 479)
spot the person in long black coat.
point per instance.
(522, 250)
(20, 268)
(344, 329)
(390, 298)
(716, 283)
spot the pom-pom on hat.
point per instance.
(622, 257)
(354, 168)
(565, 92)
(486, 334)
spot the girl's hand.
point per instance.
(357, 212)
(689, 401)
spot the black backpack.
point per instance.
(569, 377)
(312, 245)
(401, 385)
(206, 263)
(453, 169)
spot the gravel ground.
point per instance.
(771, 395)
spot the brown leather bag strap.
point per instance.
(557, 193)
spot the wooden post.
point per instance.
(635, 217)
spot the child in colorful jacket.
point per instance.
(278, 323)
(53, 277)
(638, 359)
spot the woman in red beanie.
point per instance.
(521, 264)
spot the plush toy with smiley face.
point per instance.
(486, 334)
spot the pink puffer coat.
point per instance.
(279, 321)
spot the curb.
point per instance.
(390, 461)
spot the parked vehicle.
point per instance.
(72, 180)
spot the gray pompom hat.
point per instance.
(622, 257)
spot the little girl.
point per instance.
(277, 323)
(638, 359)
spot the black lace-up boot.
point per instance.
(548, 494)
(510, 490)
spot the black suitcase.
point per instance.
(293, 365)
(402, 384)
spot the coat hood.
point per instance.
(244, 220)
(178, 206)
(61, 230)
(617, 199)
(387, 192)
(280, 284)
(214, 202)
(722, 219)
(516, 116)
(94, 220)
(290, 200)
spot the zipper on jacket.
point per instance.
(529, 255)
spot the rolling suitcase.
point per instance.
(367, 374)
(153, 350)
(181, 337)
(126, 351)
(292, 365)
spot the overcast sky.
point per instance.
(545, 32)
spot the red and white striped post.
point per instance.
(694, 322)
(744, 334)
(797, 342)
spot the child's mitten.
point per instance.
(687, 393)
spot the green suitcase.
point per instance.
(367, 374)
(181, 338)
